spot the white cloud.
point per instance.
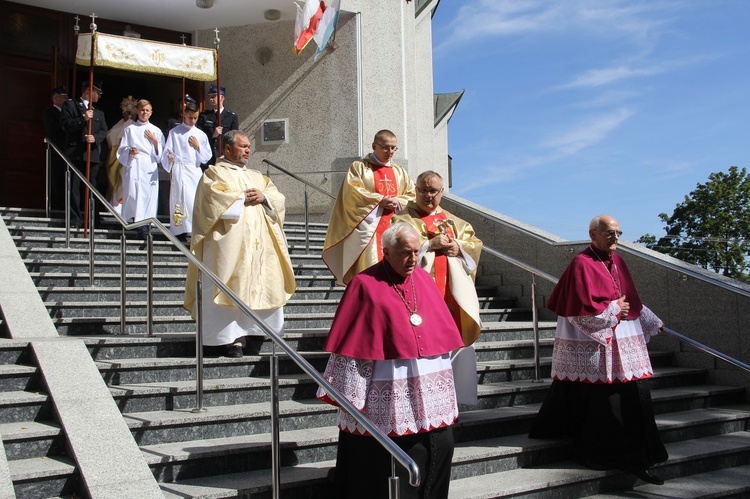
(609, 98)
(638, 21)
(588, 132)
(606, 76)
(598, 77)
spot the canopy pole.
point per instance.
(77, 31)
(184, 93)
(90, 124)
(218, 90)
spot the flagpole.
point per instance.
(90, 125)
(218, 91)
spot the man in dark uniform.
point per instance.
(74, 120)
(209, 123)
(176, 120)
(55, 134)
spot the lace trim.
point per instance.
(396, 406)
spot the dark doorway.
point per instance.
(36, 54)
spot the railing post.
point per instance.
(47, 183)
(123, 279)
(91, 238)
(394, 490)
(307, 224)
(535, 320)
(150, 282)
(199, 344)
(67, 206)
(275, 451)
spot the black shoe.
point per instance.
(645, 475)
(234, 351)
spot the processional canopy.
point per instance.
(146, 56)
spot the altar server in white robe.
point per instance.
(140, 152)
(186, 148)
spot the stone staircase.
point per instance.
(225, 451)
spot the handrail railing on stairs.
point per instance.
(307, 185)
(395, 451)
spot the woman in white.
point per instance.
(140, 153)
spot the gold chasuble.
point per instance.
(455, 283)
(353, 237)
(248, 254)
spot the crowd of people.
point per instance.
(136, 157)
(402, 340)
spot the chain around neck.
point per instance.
(403, 295)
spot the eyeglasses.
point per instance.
(610, 233)
(387, 148)
(432, 192)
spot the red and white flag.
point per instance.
(327, 26)
(308, 18)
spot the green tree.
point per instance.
(711, 227)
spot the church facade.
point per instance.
(320, 114)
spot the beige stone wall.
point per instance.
(378, 76)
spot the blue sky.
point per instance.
(580, 107)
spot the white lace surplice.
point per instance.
(400, 397)
(598, 349)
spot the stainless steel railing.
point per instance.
(308, 185)
(396, 452)
(534, 305)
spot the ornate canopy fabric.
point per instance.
(146, 56)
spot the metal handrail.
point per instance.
(307, 208)
(706, 349)
(534, 306)
(299, 179)
(395, 451)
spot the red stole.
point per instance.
(437, 224)
(385, 184)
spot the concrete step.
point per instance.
(181, 322)
(112, 347)
(14, 377)
(17, 406)
(300, 481)
(32, 439)
(568, 479)
(165, 369)
(475, 462)
(181, 395)
(13, 351)
(135, 279)
(725, 482)
(54, 476)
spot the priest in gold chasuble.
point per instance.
(450, 253)
(237, 232)
(374, 190)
